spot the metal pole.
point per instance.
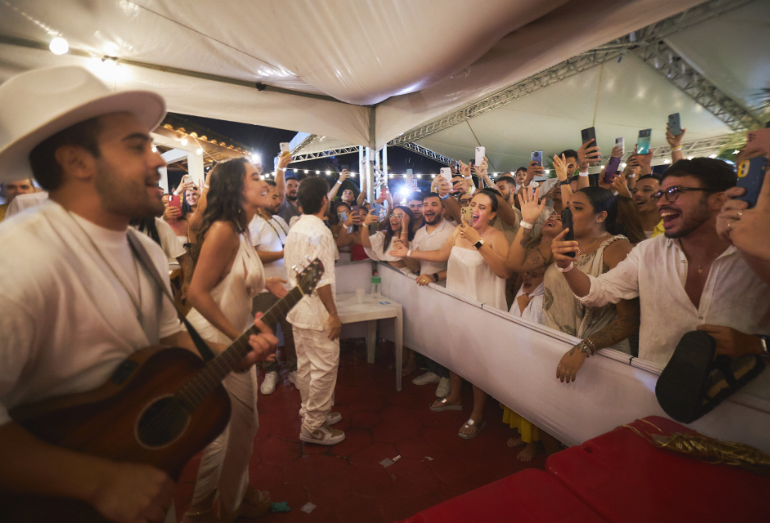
(385, 159)
(369, 176)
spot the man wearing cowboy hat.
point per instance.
(75, 300)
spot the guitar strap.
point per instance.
(141, 253)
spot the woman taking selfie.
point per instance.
(228, 274)
(398, 232)
(476, 270)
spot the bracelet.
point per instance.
(338, 183)
(590, 345)
(567, 269)
(280, 169)
(526, 225)
(444, 197)
(677, 148)
(563, 182)
(583, 174)
(409, 253)
(206, 186)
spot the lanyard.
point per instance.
(285, 232)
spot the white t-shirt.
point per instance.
(423, 241)
(66, 320)
(534, 310)
(169, 241)
(270, 236)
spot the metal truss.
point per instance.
(427, 153)
(323, 154)
(674, 67)
(304, 143)
(636, 42)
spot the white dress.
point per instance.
(225, 462)
(471, 277)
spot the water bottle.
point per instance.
(376, 280)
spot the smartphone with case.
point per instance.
(446, 173)
(343, 217)
(612, 168)
(674, 124)
(285, 148)
(751, 175)
(566, 223)
(175, 201)
(481, 151)
(643, 142)
(620, 142)
(467, 214)
(589, 134)
(537, 156)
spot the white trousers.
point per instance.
(225, 462)
(318, 359)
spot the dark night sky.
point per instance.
(265, 142)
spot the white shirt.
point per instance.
(656, 272)
(310, 237)
(24, 201)
(534, 310)
(434, 241)
(270, 236)
(378, 251)
(66, 320)
(169, 241)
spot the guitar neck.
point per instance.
(216, 370)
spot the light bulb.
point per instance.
(199, 151)
(184, 141)
(255, 158)
(59, 46)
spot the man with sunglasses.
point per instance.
(687, 279)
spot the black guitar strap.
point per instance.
(141, 253)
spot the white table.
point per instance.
(371, 310)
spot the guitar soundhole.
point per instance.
(161, 423)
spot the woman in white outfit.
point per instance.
(227, 276)
(476, 270)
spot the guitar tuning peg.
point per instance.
(308, 258)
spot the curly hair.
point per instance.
(224, 200)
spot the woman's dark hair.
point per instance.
(224, 200)
(389, 230)
(336, 204)
(622, 217)
(147, 224)
(186, 207)
(492, 194)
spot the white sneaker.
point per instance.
(293, 377)
(442, 391)
(324, 435)
(269, 383)
(333, 417)
(428, 377)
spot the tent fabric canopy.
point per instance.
(416, 60)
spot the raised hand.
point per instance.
(171, 213)
(531, 206)
(444, 187)
(744, 227)
(468, 232)
(533, 170)
(588, 155)
(284, 160)
(344, 175)
(371, 218)
(619, 185)
(674, 140)
(481, 170)
(560, 166)
(465, 170)
(560, 248)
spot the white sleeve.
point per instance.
(326, 252)
(375, 251)
(168, 240)
(16, 350)
(620, 283)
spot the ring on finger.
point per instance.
(730, 226)
(740, 214)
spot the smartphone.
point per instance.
(537, 156)
(285, 148)
(446, 173)
(612, 168)
(751, 174)
(758, 138)
(674, 124)
(342, 216)
(590, 134)
(467, 214)
(481, 152)
(620, 142)
(175, 201)
(566, 223)
(409, 171)
(643, 142)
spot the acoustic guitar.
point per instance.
(160, 407)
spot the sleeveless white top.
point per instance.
(234, 294)
(471, 277)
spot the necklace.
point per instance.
(594, 242)
(135, 300)
(285, 232)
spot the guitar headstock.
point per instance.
(310, 276)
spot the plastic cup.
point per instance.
(360, 295)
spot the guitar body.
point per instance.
(133, 417)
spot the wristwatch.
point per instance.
(765, 341)
(564, 182)
(479, 243)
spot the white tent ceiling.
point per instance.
(416, 59)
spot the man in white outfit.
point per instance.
(316, 324)
(75, 299)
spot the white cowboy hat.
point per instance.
(38, 104)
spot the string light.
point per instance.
(184, 141)
(199, 150)
(306, 171)
(328, 172)
(318, 172)
(59, 46)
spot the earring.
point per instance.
(490, 221)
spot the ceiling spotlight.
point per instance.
(306, 171)
(59, 46)
(318, 172)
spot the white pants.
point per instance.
(318, 359)
(225, 462)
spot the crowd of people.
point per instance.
(630, 261)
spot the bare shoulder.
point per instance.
(616, 252)
(222, 235)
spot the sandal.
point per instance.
(445, 406)
(471, 423)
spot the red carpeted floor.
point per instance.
(346, 482)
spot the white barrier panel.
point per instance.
(515, 362)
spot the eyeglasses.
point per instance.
(672, 193)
